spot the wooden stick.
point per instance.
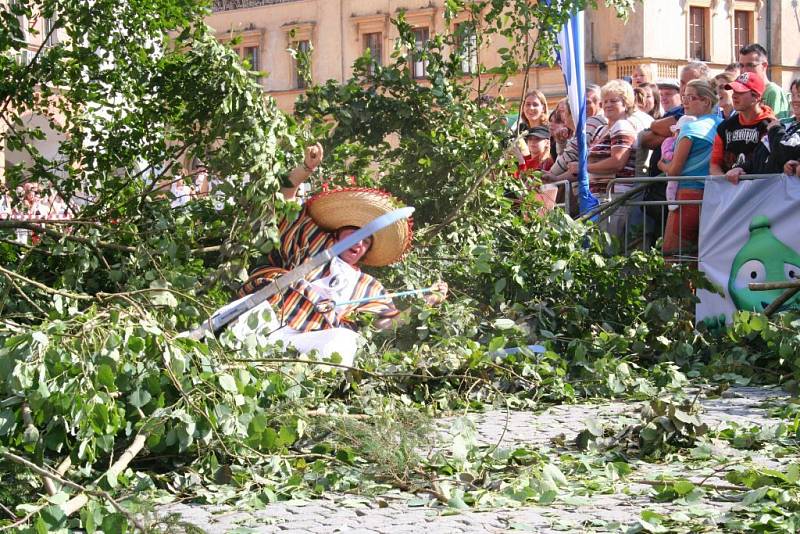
(64, 466)
(764, 286)
(80, 500)
(780, 301)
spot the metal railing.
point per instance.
(628, 214)
(567, 190)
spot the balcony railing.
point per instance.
(660, 68)
(229, 5)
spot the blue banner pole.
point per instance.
(572, 60)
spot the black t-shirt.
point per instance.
(784, 145)
(744, 146)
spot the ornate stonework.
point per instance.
(229, 5)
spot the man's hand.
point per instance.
(438, 295)
(572, 167)
(791, 168)
(733, 175)
(562, 134)
(313, 157)
(311, 160)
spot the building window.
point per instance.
(302, 47)
(250, 53)
(698, 41)
(419, 67)
(742, 30)
(373, 42)
(52, 40)
(467, 43)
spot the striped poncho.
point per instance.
(296, 308)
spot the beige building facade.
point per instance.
(662, 33)
(40, 32)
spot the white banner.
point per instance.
(749, 232)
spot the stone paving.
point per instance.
(395, 513)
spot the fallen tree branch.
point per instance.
(462, 202)
(80, 500)
(47, 289)
(25, 297)
(77, 502)
(13, 223)
(721, 487)
(356, 416)
(8, 512)
(22, 520)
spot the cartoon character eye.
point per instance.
(751, 271)
(791, 272)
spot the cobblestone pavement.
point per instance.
(607, 512)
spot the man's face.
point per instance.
(538, 147)
(592, 104)
(352, 255)
(687, 75)
(744, 101)
(31, 190)
(754, 62)
(670, 98)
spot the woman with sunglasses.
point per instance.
(691, 158)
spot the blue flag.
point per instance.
(571, 58)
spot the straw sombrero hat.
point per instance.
(357, 206)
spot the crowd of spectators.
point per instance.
(33, 204)
(735, 123)
(40, 205)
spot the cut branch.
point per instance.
(47, 289)
(80, 500)
(77, 502)
(13, 223)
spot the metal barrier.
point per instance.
(566, 184)
(631, 220)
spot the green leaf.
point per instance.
(8, 421)
(753, 496)
(457, 501)
(136, 344)
(228, 383)
(682, 487)
(552, 474)
(54, 517)
(139, 398)
(105, 375)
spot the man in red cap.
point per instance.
(738, 144)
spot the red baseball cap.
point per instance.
(746, 82)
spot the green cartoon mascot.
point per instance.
(764, 258)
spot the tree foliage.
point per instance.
(91, 366)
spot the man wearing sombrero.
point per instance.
(307, 316)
